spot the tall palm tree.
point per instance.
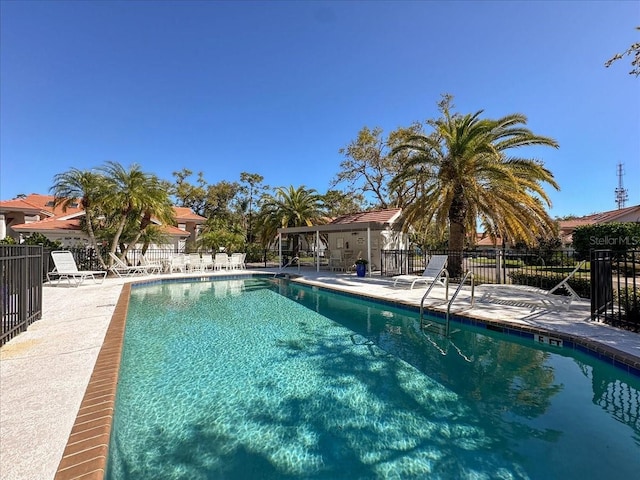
(83, 186)
(135, 196)
(289, 207)
(467, 176)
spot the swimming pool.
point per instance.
(253, 379)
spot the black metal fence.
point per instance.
(615, 288)
(20, 288)
(535, 268)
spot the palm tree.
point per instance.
(134, 196)
(466, 176)
(155, 204)
(289, 207)
(83, 186)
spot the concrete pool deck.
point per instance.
(44, 372)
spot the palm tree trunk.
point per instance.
(92, 238)
(116, 238)
(144, 223)
(457, 233)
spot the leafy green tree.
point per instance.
(370, 163)
(340, 203)
(220, 200)
(465, 175)
(218, 235)
(86, 187)
(189, 195)
(251, 190)
(289, 207)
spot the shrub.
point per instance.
(617, 237)
(628, 298)
(255, 252)
(40, 239)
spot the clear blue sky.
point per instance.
(277, 88)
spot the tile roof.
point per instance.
(379, 216)
(48, 224)
(185, 213)
(73, 224)
(612, 215)
(36, 203)
(602, 217)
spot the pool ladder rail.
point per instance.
(289, 263)
(447, 323)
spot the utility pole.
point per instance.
(621, 193)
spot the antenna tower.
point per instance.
(621, 193)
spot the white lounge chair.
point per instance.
(524, 295)
(121, 269)
(434, 273)
(177, 262)
(236, 261)
(151, 266)
(207, 261)
(65, 268)
(195, 263)
(221, 261)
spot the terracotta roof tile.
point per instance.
(380, 216)
(184, 213)
(36, 203)
(48, 224)
(73, 224)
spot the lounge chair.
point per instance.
(65, 268)
(195, 263)
(236, 261)
(121, 269)
(151, 266)
(436, 272)
(526, 296)
(221, 261)
(207, 261)
(177, 262)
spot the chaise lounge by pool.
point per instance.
(255, 378)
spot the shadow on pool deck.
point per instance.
(44, 372)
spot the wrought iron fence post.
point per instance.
(601, 283)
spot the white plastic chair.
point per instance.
(152, 267)
(121, 269)
(221, 261)
(65, 268)
(434, 273)
(177, 262)
(195, 263)
(235, 262)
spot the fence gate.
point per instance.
(601, 285)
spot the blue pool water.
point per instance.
(249, 379)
